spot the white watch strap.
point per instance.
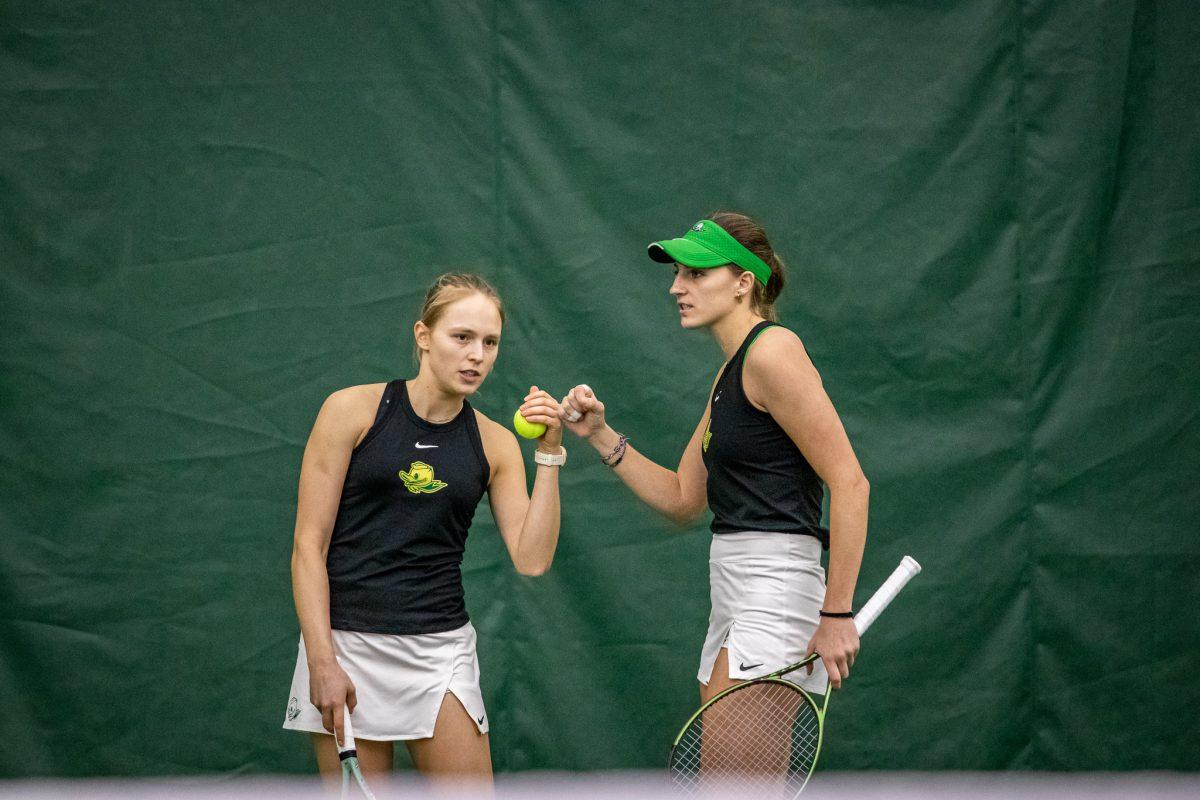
(555, 460)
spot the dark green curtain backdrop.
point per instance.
(213, 214)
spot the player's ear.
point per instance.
(421, 335)
(746, 283)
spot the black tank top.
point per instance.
(395, 557)
(757, 478)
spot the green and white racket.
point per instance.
(349, 757)
(763, 736)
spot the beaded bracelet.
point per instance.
(618, 452)
(614, 464)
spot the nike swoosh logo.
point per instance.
(425, 446)
(749, 666)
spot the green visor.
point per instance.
(708, 245)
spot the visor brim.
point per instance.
(685, 252)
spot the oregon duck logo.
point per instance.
(293, 709)
(419, 479)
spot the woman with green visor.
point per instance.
(768, 443)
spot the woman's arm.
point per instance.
(528, 524)
(339, 426)
(780, 378)
(680, 495)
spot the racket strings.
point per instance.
(762, 737)
(352, 773)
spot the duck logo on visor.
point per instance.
(699, 226)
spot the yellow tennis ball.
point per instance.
(530, 430)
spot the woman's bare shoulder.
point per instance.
(499, 443)
(350, 412)
(777, 365)
(355, 398)
(492, 432)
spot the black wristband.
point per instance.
(837, 614)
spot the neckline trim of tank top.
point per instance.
(417, 419)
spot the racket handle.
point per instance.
(885, 594)
(346, 745)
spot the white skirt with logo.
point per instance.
(766, 590)
(400, 682)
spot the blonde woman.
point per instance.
(391, 477)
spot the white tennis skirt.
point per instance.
(400, 682)
(766, 591)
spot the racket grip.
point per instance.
(346, 745)
(885, 594)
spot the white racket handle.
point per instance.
(885, 594)
(347, 742)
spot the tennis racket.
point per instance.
(765, 735)
(349, 758)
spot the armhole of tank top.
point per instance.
(387, 406)
(477, 445)
(741, 368)
(761, 331)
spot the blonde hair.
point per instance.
(450, 288)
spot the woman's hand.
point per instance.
(583, 413)
(539, 406)
(836, 641)
(331, 691)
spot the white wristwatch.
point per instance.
(555, 460)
